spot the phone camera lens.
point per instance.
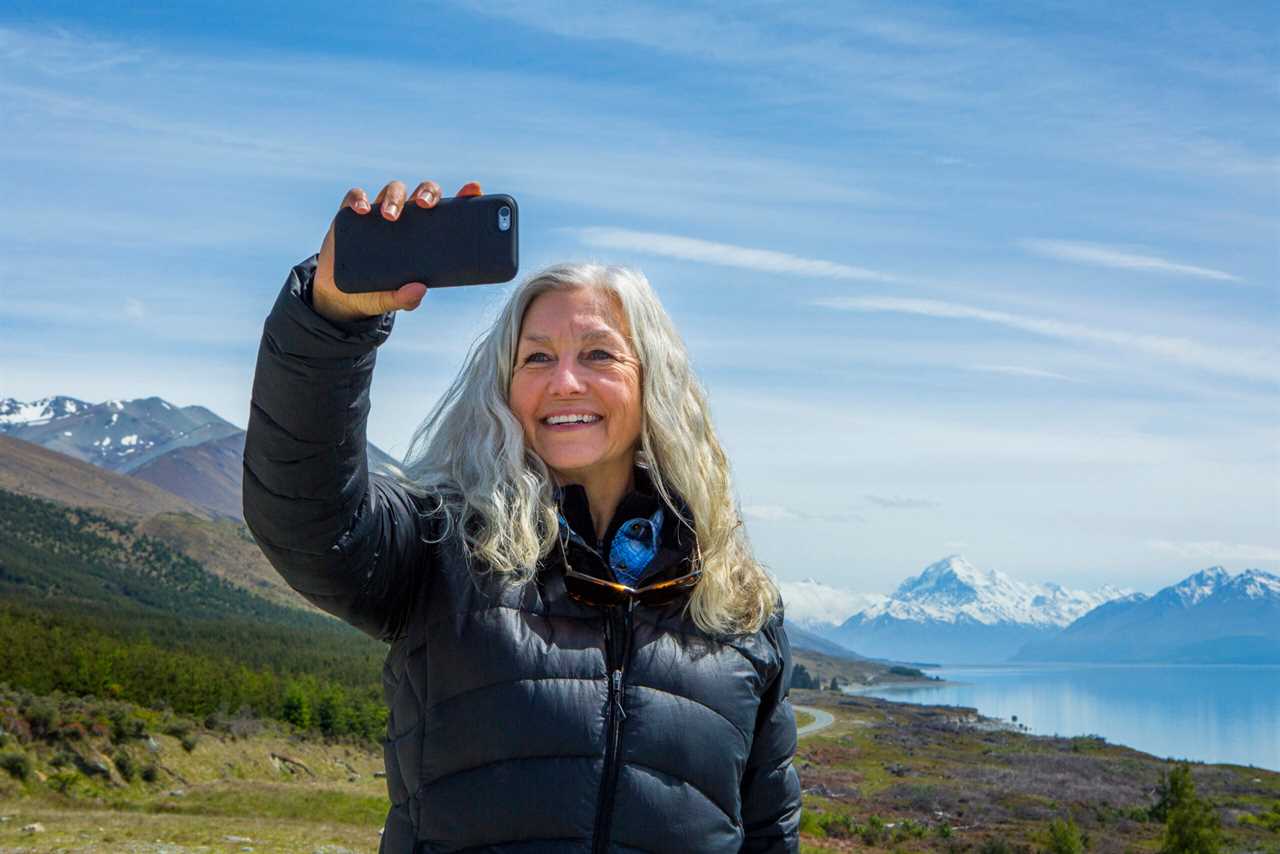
(504, 218)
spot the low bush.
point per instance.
(17, 764)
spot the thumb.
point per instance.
(407, 297)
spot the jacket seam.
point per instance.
(435, 780)
(735, 821)
(428, 709)
(746, 740)
(452, 615)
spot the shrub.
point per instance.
(150, 773)
(124, 764)
(1191, 825)
(189, 742)
(839, 825)
(1064, 837)
(1269, 819)
(811, 823)
(873, 832)
(17, 764)
(62, 781)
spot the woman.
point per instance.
(584, 654)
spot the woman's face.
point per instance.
(573, 359)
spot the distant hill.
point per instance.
(956, 613)
(1211, 617)
(188, 450)
(223, 546)
(806, 640)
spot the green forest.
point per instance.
(89, 607)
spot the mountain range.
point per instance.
(188, 450)
(1209, 617)
(955, 613)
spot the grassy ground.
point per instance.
(228, 794)
(885, 776)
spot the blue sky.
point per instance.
(992, 279)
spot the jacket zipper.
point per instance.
(616, 715)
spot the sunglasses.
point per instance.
(596, 591)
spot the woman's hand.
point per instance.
(340, 306)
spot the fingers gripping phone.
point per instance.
(468, 240)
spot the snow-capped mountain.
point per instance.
(187, 450)
(1209, 617)
(956, 613)
(820, 607)
(120, 435)
(954, 590)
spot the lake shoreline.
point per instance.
(1206, 713)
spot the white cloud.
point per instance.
(779, 513)
(1019, 371)
(1258, 365)
(724, 254)
(1107, 256)
(890, 502)
(1216, 552)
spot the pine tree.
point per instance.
(1191, 823)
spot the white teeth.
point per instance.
(572, 419)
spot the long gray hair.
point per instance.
(469, 455)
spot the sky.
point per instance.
(1000, 280)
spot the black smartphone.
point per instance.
(468, 240)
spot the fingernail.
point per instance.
(362, 206)
(392, 210)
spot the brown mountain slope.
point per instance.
(223, 546)
(208, 474)
(30, 469)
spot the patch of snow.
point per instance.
(131, 439)
(114, 417)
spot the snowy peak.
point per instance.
(953, 590)
(120, 435)
(1196, 588)
(16, 413)
(1216, 584)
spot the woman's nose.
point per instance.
(565, 380)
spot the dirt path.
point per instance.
(821, 720)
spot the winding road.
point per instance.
(821, 720)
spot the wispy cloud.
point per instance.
(1212, 550)
(897, 503)
(723, 254)
(1259, 365)
(779, 513)
(1019, 371)
(1109, 256)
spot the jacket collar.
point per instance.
(675, 542)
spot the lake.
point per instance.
(1224, 713)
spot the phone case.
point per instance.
(457, 242)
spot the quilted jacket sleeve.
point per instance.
(347, 542)
(770, 785)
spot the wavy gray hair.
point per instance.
(469, 454)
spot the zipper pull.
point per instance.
(617, 693)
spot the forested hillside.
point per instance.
(90, 606)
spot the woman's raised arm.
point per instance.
(350, 543)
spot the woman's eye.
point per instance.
(536, 357)
(599, 354)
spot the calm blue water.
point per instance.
(1223, 713)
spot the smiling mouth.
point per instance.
(575, 419)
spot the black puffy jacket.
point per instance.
(520, 719)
